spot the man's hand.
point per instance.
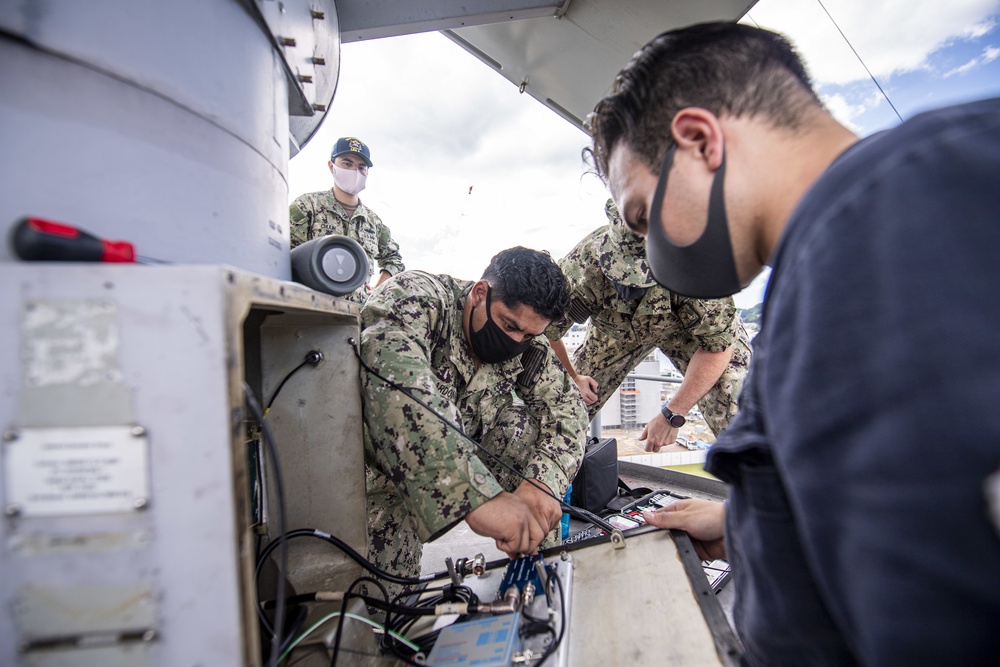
(588, 388)
(703, 520)
(543, 506)
(658, 433)
(508, 520)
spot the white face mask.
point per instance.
(351, 181)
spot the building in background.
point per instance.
(635, 401)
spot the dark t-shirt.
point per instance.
(857, 522)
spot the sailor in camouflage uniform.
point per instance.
(630, 314)
(340, 211)
(474, 353)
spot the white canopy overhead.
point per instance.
(564, 54)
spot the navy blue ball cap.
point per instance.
(352, 145)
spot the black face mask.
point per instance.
(491, 344)
(629, 292)
(704, 269)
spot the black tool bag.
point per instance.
(597, 482)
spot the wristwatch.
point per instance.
(673, 418)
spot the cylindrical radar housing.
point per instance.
(332, 264)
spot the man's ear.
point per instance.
(478, 293)
(698, 132)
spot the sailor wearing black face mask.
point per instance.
(492, 344)
(631, 315)
(473, 352)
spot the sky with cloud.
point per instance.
(465, 166)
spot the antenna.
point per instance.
(860, 60)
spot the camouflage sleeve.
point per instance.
(555, 403)
(388, 257)
(434, 468)
(558, 328)
(299, 217)
(584, 297)
(715, 324)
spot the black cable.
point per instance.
(343, 611)
(279, 614)
(354, 555)
(313, 357)
(554, 646)
(566, 507)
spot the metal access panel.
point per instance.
(569, 59)
(126, 470)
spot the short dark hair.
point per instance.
(524, 276)
(725, 68)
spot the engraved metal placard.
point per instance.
(74, 471)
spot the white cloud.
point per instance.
(890, 36)
(988, 55)
(845, 111)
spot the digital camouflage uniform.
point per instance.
(423, 477)
(621, 333)
(319, 214)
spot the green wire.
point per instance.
(348, 615)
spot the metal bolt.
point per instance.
(138, 431)
(564, 555)
(11, 435)
(286, 41)
(12, 509)
(140, 503)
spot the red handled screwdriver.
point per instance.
(47, 241)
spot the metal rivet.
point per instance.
(140, 503)
(149, 635)
(138, 431)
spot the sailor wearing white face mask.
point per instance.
(340, 211)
